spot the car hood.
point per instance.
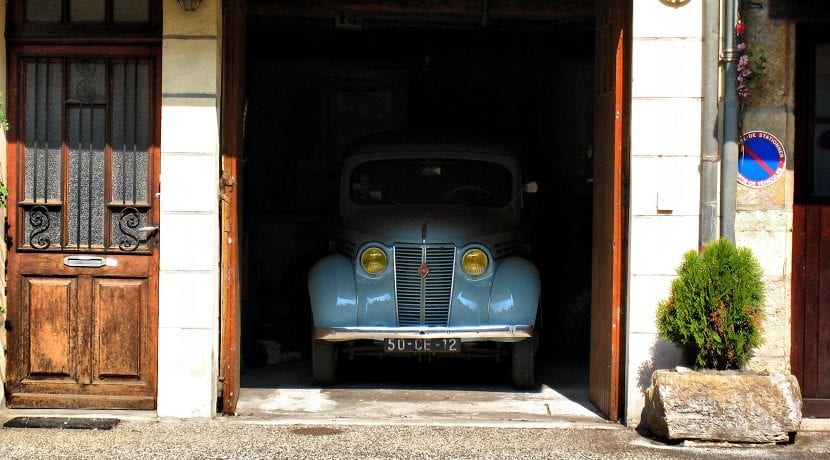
(433, 225)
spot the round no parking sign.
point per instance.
(761, 159)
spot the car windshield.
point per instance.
(431, 181)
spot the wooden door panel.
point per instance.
(120, 337)
(610, 138)
(232, 144)
(821, 258)
(811, 306)
(83, 202)
(50, 304)
(55, 329)
(810, 344)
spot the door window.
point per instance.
(820, 155)
(87, 138)
(89, 11)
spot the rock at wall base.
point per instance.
(727, 406)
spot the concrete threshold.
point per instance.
(417, 406)
(369, 405)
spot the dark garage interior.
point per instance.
(317, 80)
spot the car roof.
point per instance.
(424, 142)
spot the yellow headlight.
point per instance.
(373, 260)
(474, 262)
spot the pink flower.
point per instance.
(741, 46)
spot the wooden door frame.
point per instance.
(606, 380)
(232, 151)
(609, 252)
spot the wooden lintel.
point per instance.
(437, 10)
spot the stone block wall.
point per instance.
(188, 346)
(664, 209)
(763, 220)
(665, 179)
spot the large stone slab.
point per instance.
(725, 406)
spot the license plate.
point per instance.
(448, 345)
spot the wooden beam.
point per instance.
(434, 10)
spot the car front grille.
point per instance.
(423, 300)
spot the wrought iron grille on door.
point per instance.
(87, 133)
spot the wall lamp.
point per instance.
(189, 5)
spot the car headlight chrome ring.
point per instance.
(474, 262)
(373, 260)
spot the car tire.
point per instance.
(523, 364)
(324, 360)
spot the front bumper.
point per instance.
(466, 334)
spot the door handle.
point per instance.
(148, 231)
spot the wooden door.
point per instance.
(810, 357)
(83, 216)
(610, 139)
(233, 120)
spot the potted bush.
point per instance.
(714, 314)
(715, 307)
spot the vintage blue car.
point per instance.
(431, 256)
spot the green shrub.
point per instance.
(715, 306)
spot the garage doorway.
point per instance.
(315, 81)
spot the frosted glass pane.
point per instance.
(124, 225)
(131, 11)
(87, 11)
(823, 81)
(87, 82)
(821, 160)
(130, 131)
(90, 119)
(85, 201)
(43, 10)
(43, 174)
(42, 228)
(129, 177)
(43, 131)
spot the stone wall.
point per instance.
(763, 220)
(664, 210)
(188, 347)
(665, 158)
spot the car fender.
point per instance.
(514, 296)
(332, 292)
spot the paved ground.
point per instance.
(281, 415)
(137, 437)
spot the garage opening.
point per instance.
(316, 81)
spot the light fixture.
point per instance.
(674, 3)
(189, 5)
